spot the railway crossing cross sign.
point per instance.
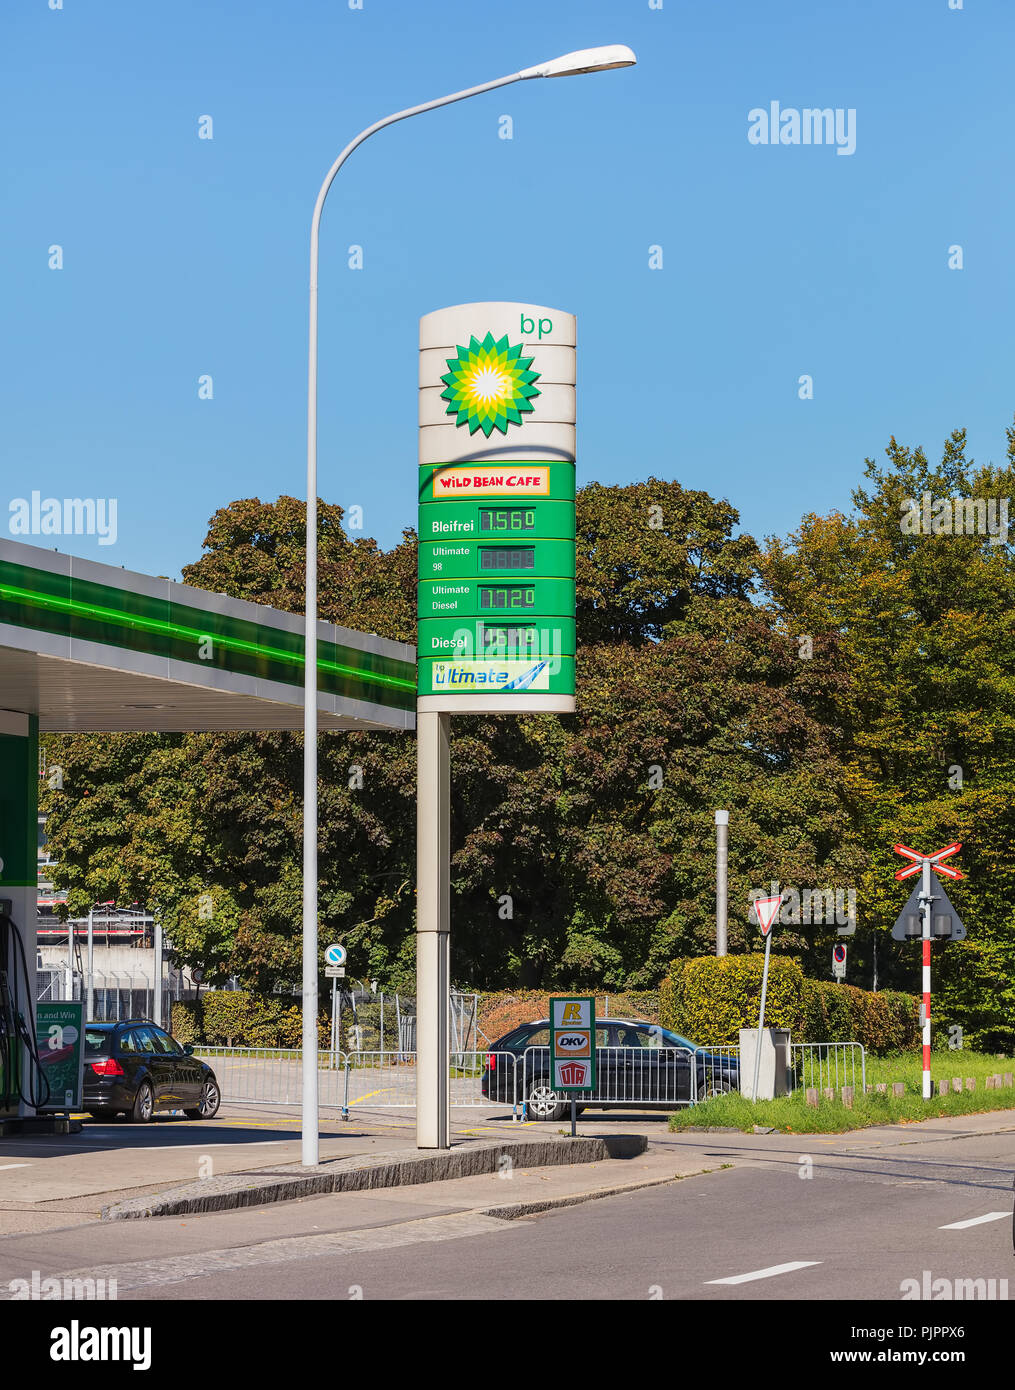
(934, 860)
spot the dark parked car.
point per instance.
(136, 1068)
(638, 1064)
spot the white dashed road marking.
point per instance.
(15, 1165)
(976, 1221)
(765, 1273)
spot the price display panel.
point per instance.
(475, 638)
(496, 591)
(504, 593)
(471, 520)
(496, 560)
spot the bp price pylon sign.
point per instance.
(496, 581)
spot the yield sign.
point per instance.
(767, 910)
(934, 860)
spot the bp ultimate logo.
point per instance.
(489, 385)
(465, 676)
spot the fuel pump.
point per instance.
(14, 1029)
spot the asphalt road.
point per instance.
(807, 1218)
(856, 1231)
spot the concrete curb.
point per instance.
(708, 1129)
(232, 1191)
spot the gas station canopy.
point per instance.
(90, 647)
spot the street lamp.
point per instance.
(570, 64)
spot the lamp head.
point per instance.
(613, 55)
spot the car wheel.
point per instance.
(210, 1102)
(708, 1089)
(544, 1103)
(144, 1104)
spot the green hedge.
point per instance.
(710, 998)
(236, 1018)
(184, 1021)
(884, 1022)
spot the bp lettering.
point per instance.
(529, 326)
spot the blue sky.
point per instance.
(184, 257)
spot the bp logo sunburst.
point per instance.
(489, 385)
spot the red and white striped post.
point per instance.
(924, 863)
(925, 906)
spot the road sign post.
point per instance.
(767, 910)
(946, 925)
(925, 906)
(839, 962)
(335, 955)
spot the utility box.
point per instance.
(774, 1071)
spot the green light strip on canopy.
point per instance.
(166, 628)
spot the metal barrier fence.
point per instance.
(626, 1076)
(346, 1080)
(387, 1080)
(115, 994)
(718, 1070)
(274, 1075)
(827, 1064)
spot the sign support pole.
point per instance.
(761, 1017)
(926, 905)
(90, 1009)
(433, 927)
(722, 827)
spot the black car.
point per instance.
(136, 1068)
(638, 1064)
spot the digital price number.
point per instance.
(507, 518)
(507, 557)
(506, 596)
(502, 641)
